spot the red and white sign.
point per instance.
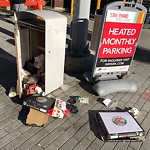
(118, 42)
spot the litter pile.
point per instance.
(33, 75)
(42, 106)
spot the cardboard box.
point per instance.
(40, 103)
(119, 126)
(36, 118)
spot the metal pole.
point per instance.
(79, 28)
(98, 4)
(72, 8)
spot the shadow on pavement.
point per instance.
(88, 87)
(100, 100)
(142, 55)
(4, 31)
(11, 41)
(93, 124)
(82, 82)
(23, 114)
(7, 17)
(8, 70)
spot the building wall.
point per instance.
(59, 3)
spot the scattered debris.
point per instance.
(40, 103)
(71, 101)
(59, 109)
(39, 90)
(39, 61)
(33, 83)
(74, 99)
(36, 118)
(84, 100)
(25, 74)
(134, 111)
(33, 76)
(109, 103)
(31, 89)
(72, 108)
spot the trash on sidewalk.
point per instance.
(74, 99)
(134, 111)
(39, 106)
(39, 61)
(31, 89)
(33, 76)
(72, 108)
(38, 90)
(109, 103)
(59, 109)
(71, 101)
(84, 100)
(12, 92)
(119, 126)
(36, 118)
(40, 103)
(47, 105)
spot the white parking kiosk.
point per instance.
(41, 34)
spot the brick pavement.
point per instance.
(78, 131)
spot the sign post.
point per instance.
(120, 32)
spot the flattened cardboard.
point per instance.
(36, 117)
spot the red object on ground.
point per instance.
(31, 89)
(37, 4)
(65, 112)
(50, 111)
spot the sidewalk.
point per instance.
(144, 39)
(78, 131)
